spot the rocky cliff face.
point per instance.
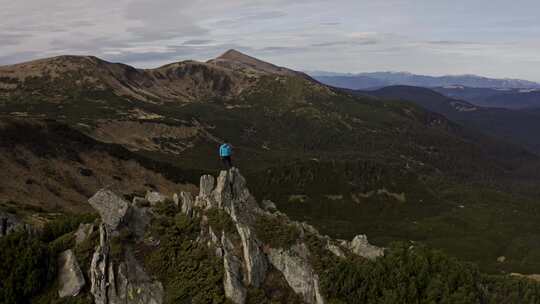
(120, 278)
(230, 194)
(251, 258)
(71, 278)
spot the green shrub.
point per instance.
(189, 272)
(419, 275)
(64, 224)
(219, 220)
(275, 232)
(28, 261)
(25, 267)
(166, 208)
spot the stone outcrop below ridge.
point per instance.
(229, 193)
(116, 280)
(247, 260)
(70, 276)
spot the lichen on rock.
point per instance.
(70, 277)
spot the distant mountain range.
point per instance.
(499, 98)
(362, 81)
(509, 124)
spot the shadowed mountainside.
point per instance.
(52, 167)
(506, 98)
(509, 125)
(322, 154)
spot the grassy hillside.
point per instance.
(50, 166)
(347, 164)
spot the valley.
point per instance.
(346, 162)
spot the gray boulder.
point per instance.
(294, 264)
(71, 278)
(130, 284)
(140, 202)
(111, 207)
(268, 205)
(187, 203)
(124, 282)
(335, 249)
(154, 197)
(206, 185)
(255, 261)
(83, 232)
(360, 246)
(232, 280)
(176, 199)
(98, 268)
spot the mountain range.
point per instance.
(510, 125)
(399, 164)
(497, 98)
(362, 81)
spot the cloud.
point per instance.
(435, 37)
(198, 42)
(330, 23)
(346, 43)
(451, 42)
(12, 38)
(18, 57)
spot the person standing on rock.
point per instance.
(225, 153)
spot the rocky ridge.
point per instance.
(229, 193)
(185, 81)
(248, 258)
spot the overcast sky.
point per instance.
(487, 37)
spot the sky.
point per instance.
(435, 37)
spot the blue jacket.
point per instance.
(225, 150)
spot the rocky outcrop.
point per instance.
(154, 197)
(335, 249)
(132, 285)
(231, 194)
(83, 232)
(111, 207)
(255, 260)
(98, 268)
(269, 205)
(247, 261)
(70, 277)
(121, 279)
(294, 264)
(232, 280)
(186, 203)
(206, 185)
(360, 246)
(10, 223)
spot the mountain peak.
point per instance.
(236, 60)
(232, 54)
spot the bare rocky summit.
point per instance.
(229, 193)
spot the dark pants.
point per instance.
(227, 162)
